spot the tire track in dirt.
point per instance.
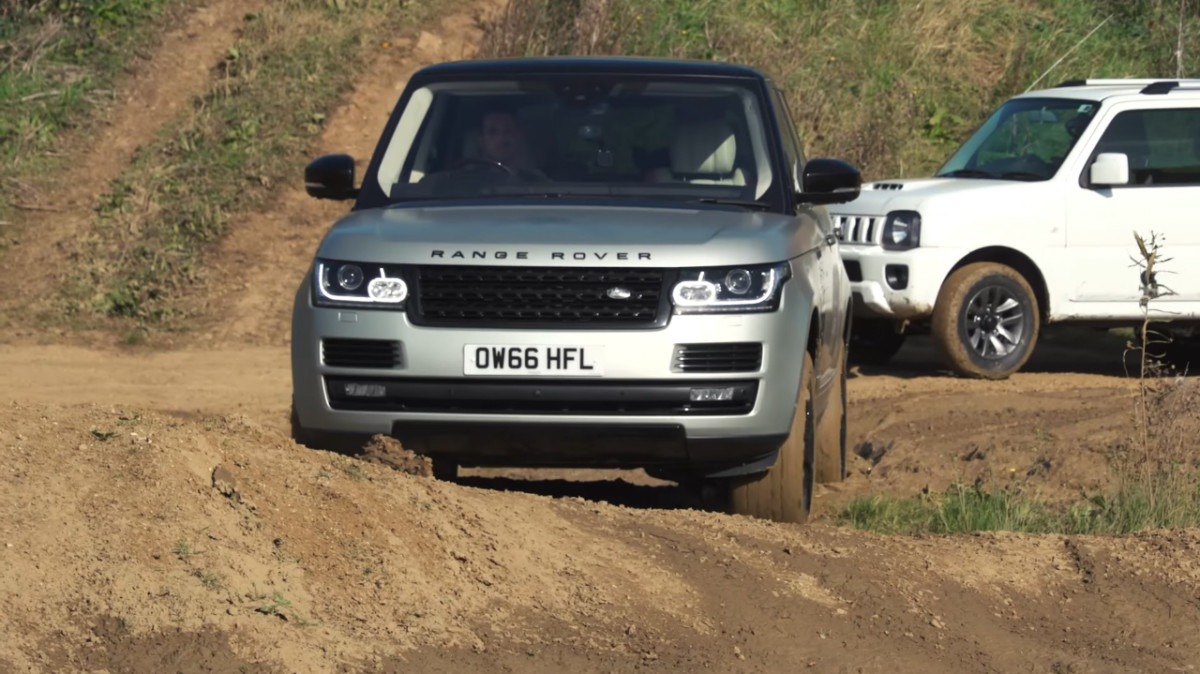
(153, 93)
(256, 269)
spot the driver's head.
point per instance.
(500, 137)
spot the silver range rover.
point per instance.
(591, 263)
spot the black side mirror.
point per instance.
(330, 177)
(828, 181)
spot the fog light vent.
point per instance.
(897, 276)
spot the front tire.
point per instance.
(830, 449)
(985, 322)
(784, 492)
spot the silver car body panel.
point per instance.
(586, 235)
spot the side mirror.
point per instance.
(827, 181)
(1109, 168)
(330, 177)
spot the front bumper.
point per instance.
(901, 285)
(639, 413)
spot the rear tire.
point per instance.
(985, 321)
(784, 492)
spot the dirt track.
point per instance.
(121, 552)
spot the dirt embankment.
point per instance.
(155, 516)
(138, 540)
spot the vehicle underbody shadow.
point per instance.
(631, 489)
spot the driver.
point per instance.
(501, 140)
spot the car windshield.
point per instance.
(684, 139)
(1025, 139)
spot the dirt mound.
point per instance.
(388, 451)
(290, 543)
(218, 542)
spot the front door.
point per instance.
(1162, 199)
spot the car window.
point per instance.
(1024, 139)
(1163, 146)
(566, 136)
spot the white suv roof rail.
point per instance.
(1159, 85)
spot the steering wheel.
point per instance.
(485, 163)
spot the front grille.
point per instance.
(853, 270)
(524, 296)
(725, 357)
(377, 353)
(859, 229)
(540, 397)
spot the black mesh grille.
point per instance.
(377, 353)
(853, 270)
(727, 357)
(496, 296)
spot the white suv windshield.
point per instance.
(1025, 139)
(567, 136)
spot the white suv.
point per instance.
(1030, 222)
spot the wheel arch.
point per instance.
(1020, 262)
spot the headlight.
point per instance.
(902, 230)
(729, 289)
(341, 283)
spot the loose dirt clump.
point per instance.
(389, 452)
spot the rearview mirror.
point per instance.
(330, 177)
(827, 181)
(1109, 168)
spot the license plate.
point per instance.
(533, 360)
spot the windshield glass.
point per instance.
(685, 139)
(1025, 139)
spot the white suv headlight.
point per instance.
(902, 230)
(342, 283)
(729, 289)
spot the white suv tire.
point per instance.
(986, 321)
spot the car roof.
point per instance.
(1128, 88)
(589, 65)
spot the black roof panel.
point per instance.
(588, 65)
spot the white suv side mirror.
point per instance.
(1110, 168)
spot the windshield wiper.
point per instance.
(1023, 175)
(757, 205)
(966, 173)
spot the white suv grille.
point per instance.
(859, 230)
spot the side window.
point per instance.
(1163, 146)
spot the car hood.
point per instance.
(916, 194)
(572, 235)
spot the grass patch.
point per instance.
(1166, 499)
(183, 549)
(58, 62)
(209, 579)
(252, 130)
(890, 85)
(272, 607)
